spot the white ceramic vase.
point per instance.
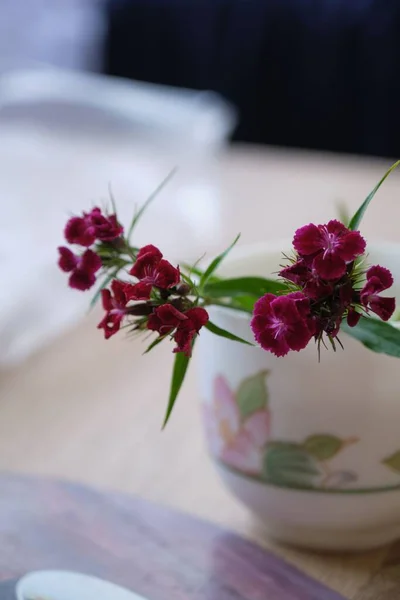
(313, 449)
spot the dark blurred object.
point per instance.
(319, 74)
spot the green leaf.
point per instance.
(140, 212)
(376, 335)
(225, 334)
(393, 461)
(155, 343)
(257, 286)
(289, 465)
(252, 394)
(103, 285)
(243, 303)
(178, 375)
(215, 263)
(356, 219)
(323, 446)
(112, 199)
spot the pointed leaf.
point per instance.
(225, 334)
(257, 286)
(289, 465)
(178, 375)
(112, 199)
(142, 209)
(393, 461)
(215, 263)
(103, 285)
(155, 343)
(243, 303)
(252, 394)
(376, 335)
(356, 219)
(323, 446)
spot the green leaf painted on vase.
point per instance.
(289, 465)
(252, 394)
(393, 461)
(323, 446)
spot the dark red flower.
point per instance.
(167, 318)
(282, 323)
(114, 303)
(106, 228)
(332, 247)
(79, 230)
(153, 271)
(306, 277)
(353, 317)
(82, 268)
(195, 319)
(91, 226)
(378, 280)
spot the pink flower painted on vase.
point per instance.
(238, 442)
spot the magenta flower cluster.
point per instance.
(324, 288)
(85, 231)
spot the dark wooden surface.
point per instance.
(164, 555)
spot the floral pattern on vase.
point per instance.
(238, 424)
(393, 461)
(238, 429)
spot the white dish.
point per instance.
(63, 585)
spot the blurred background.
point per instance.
(96, 93)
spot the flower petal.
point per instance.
(81, 280)
(167, 275)
(276, 345)
(383, 307)
(382, 275)
(90, 261)
(79, 231)
(226, 409)
(297, 339)
(139, 291)
(146, 264)
(258, 427)
(149, 250)
(106, 299)
(68, 261)
(302, 303)
(307, 240)
(351, 245)
(336, 228)
(353, 317)
(263, 304)
(299, 273)
(243, 455)
(198, 317)
(329, 267)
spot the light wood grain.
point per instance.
(91, 411)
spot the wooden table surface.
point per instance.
(90, 411)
